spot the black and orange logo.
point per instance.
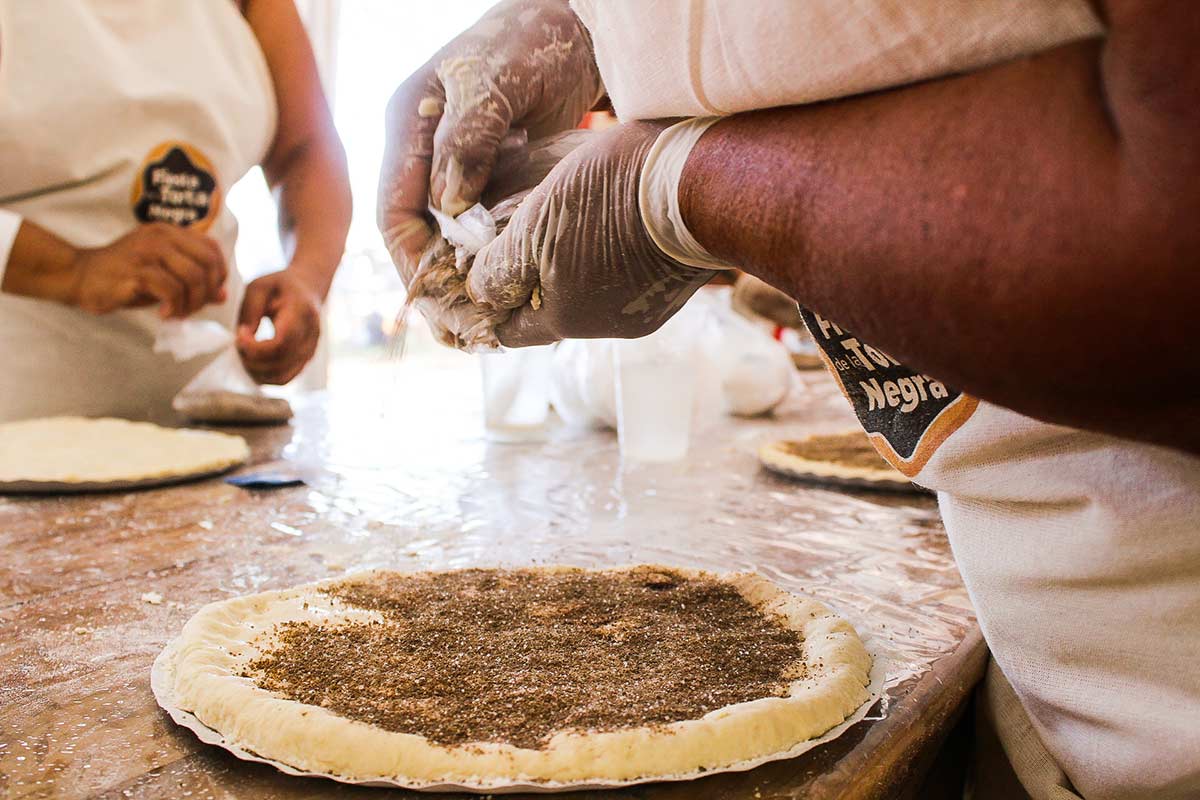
(906, 414)
(176, 184)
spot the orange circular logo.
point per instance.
(178, 185)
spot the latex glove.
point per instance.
(583, 255)
(438, 288)
(526, 64)
(295, 312)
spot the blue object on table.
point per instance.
(265, 480)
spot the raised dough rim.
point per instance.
(162, 684)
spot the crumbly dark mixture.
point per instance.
(853, 449)
(517, 655)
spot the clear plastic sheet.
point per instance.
(398, 474)
(881, 561)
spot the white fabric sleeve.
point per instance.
(693, 58)
(658, 194)
(10, 223)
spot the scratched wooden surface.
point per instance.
(398, 475)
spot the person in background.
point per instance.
(122, 127)
(1000, 259)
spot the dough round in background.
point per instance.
(232, 408)
(845, 458)
(66, 453)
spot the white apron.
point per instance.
(113, 114)
(1080, 551)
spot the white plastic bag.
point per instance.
(582, 389)
(739, 369)
(185, 339)
(222, 391)
(225, 374)
(756, 370)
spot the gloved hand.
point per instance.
(577, 260)
(527, 64)
(438, 287)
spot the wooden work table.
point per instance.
(398, 475)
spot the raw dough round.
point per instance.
(232, 408)
(217, 669)
(78, 453)
(840, 459)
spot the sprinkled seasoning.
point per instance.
(852, 449)
(517, 655)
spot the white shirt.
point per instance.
(114, 114)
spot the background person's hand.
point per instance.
(576, 260)
(178, 269)
(526, 64)
(295, 312)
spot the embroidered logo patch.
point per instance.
(176, 184)
(907, 415)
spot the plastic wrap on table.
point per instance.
(399, 475)
(438, 287)
(456, 500)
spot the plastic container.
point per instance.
(516, 394)
(656, 378)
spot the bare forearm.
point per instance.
(306, 164)
(1000, 230)
(314, 212)
(41, 266)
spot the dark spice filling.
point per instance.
(517, 655)
(853, 449)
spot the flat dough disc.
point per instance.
(74, 454)
(797, 458)
(232, 408)
(807, 361)
(206, 674)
